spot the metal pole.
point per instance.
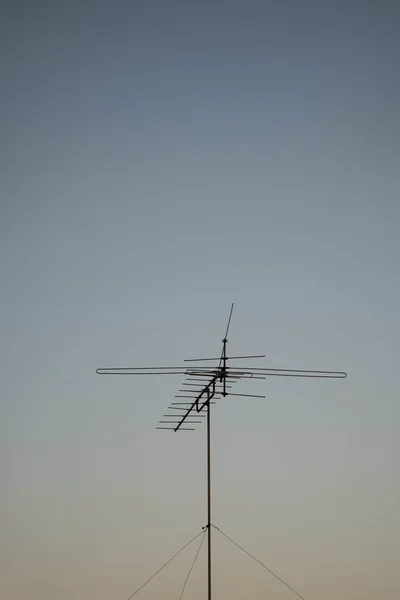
(209, 498)
(224, 367)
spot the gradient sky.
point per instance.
(161, 159)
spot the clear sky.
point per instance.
(161, 159)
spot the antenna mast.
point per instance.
(210, 384)
(209, 500)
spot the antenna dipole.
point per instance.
(209, 385)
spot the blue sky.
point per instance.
(161, 160)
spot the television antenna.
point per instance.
(203, 386)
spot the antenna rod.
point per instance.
(223, 360)
(209, 497)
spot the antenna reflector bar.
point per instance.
(174, 416)
(227, 358)
(191, 422)
(187, 403)
(185, 429)
(245, 395)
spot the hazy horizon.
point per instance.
(161, 160)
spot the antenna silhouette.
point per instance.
(202, 387)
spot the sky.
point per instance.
(159, 161)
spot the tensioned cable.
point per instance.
(260, 563)
(165, 564)
(193, 563)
